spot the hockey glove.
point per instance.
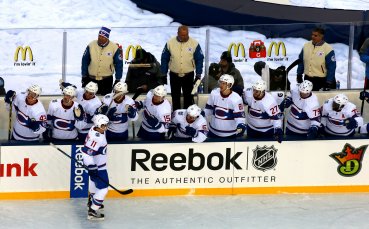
(190, 131)
(197, 77)
(364, 95)
(171, 130)
(103, 109)
(313, 132)
(152, 121)
(241, 128)
(34, 125)
(286, 103)
(299, 78)
(351, 123)
(278, 134)
(131, 112)
(111, 112)
(139, 105)
(79, 113)
(9, 96)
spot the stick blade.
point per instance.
(126, 192)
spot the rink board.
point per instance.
(210, 168)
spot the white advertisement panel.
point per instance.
(33, 169)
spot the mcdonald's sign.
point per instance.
(133, 50)
(236, 49)
(277, 47)
(24, 52)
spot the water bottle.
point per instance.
(200, 89)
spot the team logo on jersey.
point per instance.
(349, 160)
(264, 158)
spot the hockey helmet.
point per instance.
(70, 90)
(100, 120)
(91, 87)
(341, 100)
(194, 111)
(120, 87)
(227, 78)
(35, 89)
(160, 91)
(306, 87)
(259, 85)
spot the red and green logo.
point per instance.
(349, 160)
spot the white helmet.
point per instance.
(70, 90)
(35, 89)
(100, 120)
(120, 87)
(259, 85)
(160, 91)
(306, 86)
(341, 99)
(91, 87)
(227, 78)
(194, 111)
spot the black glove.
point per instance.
(79, 113)
(111, 112)
(241, 128)
(84, 81)
(34, 125)
(171, 130)
(103, 109)
(351, 123)
(152, 121)
(286, 103)
(9, 96)
(139, 105)
(191, 131)
(299, 78)
(197, 77)
(278, 134)
(131, 112)
(115, 82)
(364, 95)
(313, 132)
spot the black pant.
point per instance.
(319, 82)
(185, 84)
(105, 85)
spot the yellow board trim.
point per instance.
(198, 192)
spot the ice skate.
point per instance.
(94, 215)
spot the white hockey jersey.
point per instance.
(95, 149)
(62, 122)
(303, 113)
(225, 113)
(263, 114)
(25, 113)
(119, 122)
(334, 122)
(89, 106)
(161, 111)
(200, 124)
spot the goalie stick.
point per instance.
(124, 192)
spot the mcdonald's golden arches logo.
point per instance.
(24, 52)
(132, 49)
(277, 47)
(236, 49)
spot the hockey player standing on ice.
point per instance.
(264, 119)
(156, 114)
(340, 117)
(188, 124)
(64, 117)
(94, 157)
(30, 114)
(89, 101)
(120, 109)
(303, 119)
(226, 111)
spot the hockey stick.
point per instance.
(124, 192)
(10, 119)
(362, 102)
(140, 65)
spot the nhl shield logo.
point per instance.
(264, 158)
